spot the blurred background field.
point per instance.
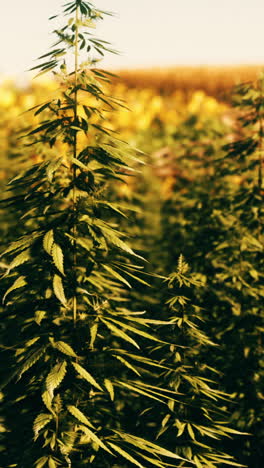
(215, 80)
(196, 191)
(155, 102)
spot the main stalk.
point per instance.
(75, 143)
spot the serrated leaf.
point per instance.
(114, 239)
(137, 331)
(48, 241)
(119, 383)
(40, 422)
(125, 455)
(95, 439)
(19, 283)
(120, 333)
(135, 277)
(20, 259)
(110, 388)
(144, 360)
(46, 398)
(127, 364)
(148, 446)
(87, 244)
(64, 348)
(55, 377)
(20, 244)
(114, 206)
(153, 388)
(154, 461)
(116, 275)
(31, 360)
(57, 256)
(79, 415)
(59, 290)
(86, 375)
(32, 341)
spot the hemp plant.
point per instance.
(71, 344)
(194, 425)
(218, 224)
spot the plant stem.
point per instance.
(75, 155)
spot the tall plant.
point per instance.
(68, 332)
(197, 423)
(218, 223)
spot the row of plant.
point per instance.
(109, 360)
(213, 214)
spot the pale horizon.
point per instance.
(149, 34)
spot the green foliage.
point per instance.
(216, 220)
(73, 350)
(90, 377)
(195, 423)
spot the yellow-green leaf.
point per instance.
(197, 462)
(64, 348)
(116, 275)
(39, 316)
(55, 377)
(109, 387)
(120, 333)
(137, 390)
(127, 364)
(93, 334)
(59, 290)
(40, 422)
(20, 259)
(95, 439)
(190, 430)
(52, 463)
(79, 415)
(125, 455)
(57, 256)
(41, 462)
(86, 375)
(31, 360)
(19, 283)
(135, 330)
(46, 398)
(48, 241)
(148, 446)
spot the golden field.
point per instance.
(145, 111)
(156, 102)
(213, 80)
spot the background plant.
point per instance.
(217, 222)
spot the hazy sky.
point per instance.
(147, 32)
